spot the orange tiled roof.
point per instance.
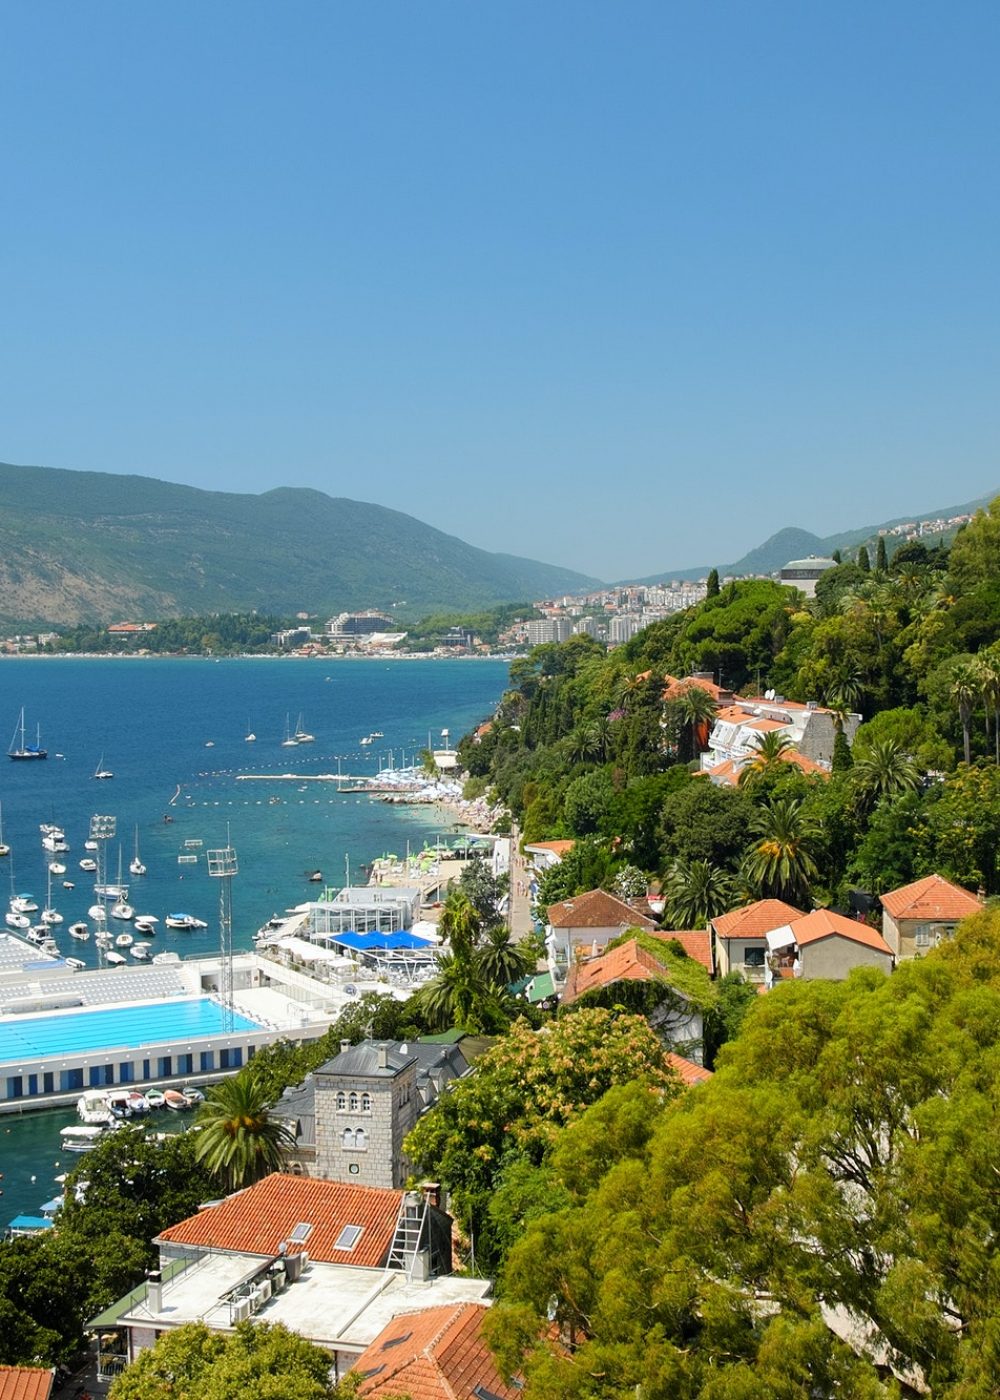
(597, 909)
(676, 685)
(259, 1219)
(933, 897)
(824, 923)
(627, 963)
(687, 1069)
(754, 920)
(697, 943)
(558, 848)
(25, 1383)
(436, 1354)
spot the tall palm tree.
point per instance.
(695, 891)
(460, 924)
(239, 1141)
(987, 667)
(696, 708)
(781, 863)
(770, 752)
(883, 769)
(965, 691)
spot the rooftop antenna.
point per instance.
(222, 866)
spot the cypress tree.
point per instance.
(881, 558)
(712, 591)
(864, 563)
(842, 757)
(837, 557)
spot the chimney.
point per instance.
(154, 1291)
(345, 1045)
(383, 1057)
(432, 1193)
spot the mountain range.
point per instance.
(793, 543)
(94, 547)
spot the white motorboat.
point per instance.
(146, 924)
(56, 867)
(79, 930)
(184, 921)
(55, 842)
(90, 845)
(15, 920)
(193, 1094)
(140, 951)
(92, 1107)
(166, 958)
(37, 935)
(88, 863)
(154, 1098)
(114, 959)
(81, 1137)
(124, 940)
(121, 910)
(24, 904)
(103, 940)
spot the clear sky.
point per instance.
(623, 287)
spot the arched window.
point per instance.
(341, 1101)
(361, 1139)
(354, 1103)
(366, 1103)
(348, 1137)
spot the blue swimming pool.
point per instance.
(79, 1032)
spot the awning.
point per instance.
(780, 938)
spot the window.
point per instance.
(366, 1103)
(341, 1101)
(348, 1237)
(301, 1232)
(354, 1140)
(753, 957)
(361, 1140)
(348, 1137)
(354, 1103)
(145, 1069)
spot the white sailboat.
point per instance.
(100, 771)
(50, 915)
(301, 736)
(289, 741)
(251, 737)
(135, 865)
(21, 750)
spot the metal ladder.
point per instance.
(411, 1224)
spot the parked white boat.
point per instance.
(21, 750)
(301, 736)
(56, 867)
(140, 951)
(154, 1098)
(79, 930)
(14, 920)
(135, 865)
(101, 772)
(166, 958)
(114, 959)
(124, 940)
(121, 910)
(88, 863)
(92, 1107)
(55, 842)
(77, 964)
(80, 1137)
(184, 921)
(24, 904)
(90, 845)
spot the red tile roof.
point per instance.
(436, 1354)
(754, 920)
(558, 848)
(933, 897)
(824, 923)
(25, 1383)
(697, 943)
(259, 1219)
(676, 686)
(687, 1069)
(597, 909)
(627, 963)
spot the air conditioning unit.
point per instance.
(263, 1291)
(241, 1309)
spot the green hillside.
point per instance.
(89, 546)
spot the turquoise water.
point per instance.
(126, 1027)
(151, 721)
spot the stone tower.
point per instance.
(366, 1102)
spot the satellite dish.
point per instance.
(350, 990)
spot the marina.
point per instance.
(284, 834)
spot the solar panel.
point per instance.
(348, 1237)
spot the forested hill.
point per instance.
(90, 546)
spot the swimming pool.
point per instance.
(128, 1027)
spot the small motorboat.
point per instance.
(68, 885)
(97, 911)
(57, 867)
(140, 951)
(175, 1101)
(184, 921)
(193, 1094)
(145, 923)
(77, 964)
(121, 910)
(24, 904)
(80, 1138)
(154, 1098)
(114, 959)
(88, 864)
(79, 930)
(165, 958)
(137, 1102)
(15, 920)
(90, 845)
(124, 940)
(51, 916)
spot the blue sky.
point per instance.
(623, 287)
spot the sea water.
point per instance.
(173, 733)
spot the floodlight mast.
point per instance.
(102, 830)
(222, 866)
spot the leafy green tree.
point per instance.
(484, 890)
(588, 802)
(258, 1359)
(239, 1139)
(705, 822)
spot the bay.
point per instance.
(173, 732)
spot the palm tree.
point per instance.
(458, 995)
(965, 692)
(987, 667)
(695, 891)
(239, 1141)
(460, 924)
(883, 769)
(781, 864)
(500, 962)
(770, 752)
(696, 708)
